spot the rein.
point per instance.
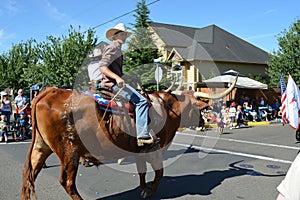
(169, 107)
(108, 104)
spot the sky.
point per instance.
(259, 22)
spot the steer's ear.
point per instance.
(201, 104)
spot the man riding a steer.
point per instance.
(111, 68)
(71, 125)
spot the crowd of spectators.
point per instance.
(237, 113)
(15, 116)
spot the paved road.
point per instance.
(246, 163)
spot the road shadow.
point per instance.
(50, 166)
(227, 133)
(168, 155)
(172, 187)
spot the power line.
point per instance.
(122, 15)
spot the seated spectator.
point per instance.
(247, 109)
(21, 125)
(253, 113)
(264, 115)
(262, 102)
(3, 128)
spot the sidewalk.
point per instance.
(262, 123)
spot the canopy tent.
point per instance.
(242, 82)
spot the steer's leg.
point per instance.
(69, 166)
(158, 176)
(142, 169)
(34, 162)
(156, 161)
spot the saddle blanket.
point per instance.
(115, 107)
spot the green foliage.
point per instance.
(141, 51)
(62, 57)
(287, 58)
(258, 78)
(14, 63)
(56, 61)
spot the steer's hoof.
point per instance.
(147, 192)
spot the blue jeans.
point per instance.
(141, 108)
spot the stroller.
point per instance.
(22, 127)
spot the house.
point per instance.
(201, 53)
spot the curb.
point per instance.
(249, 124)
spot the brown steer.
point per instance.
(72, 126)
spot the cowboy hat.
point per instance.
(118, 28)
(3, 93)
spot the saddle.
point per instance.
(104, 97)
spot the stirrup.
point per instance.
(141, 142)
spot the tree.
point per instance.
(3, 68)
(57, 61)
(15, 62)
(287, 58)
(60, 58)
(141, 51)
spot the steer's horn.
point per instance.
(139, 87)
(169, 88)
(180, 86)
(219, 95)
(178, 90)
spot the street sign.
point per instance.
(158, 76)
(158, 73)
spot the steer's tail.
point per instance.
(28, 174)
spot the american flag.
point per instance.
(283, 100)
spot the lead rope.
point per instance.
(109, 102)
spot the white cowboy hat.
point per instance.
(119, 27)
(3, 93)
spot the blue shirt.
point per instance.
(22, 122)
(21, 100)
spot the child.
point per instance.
(3, 128)
(21, 124)
(239, 117)
(226, 118)
(220, 124)
(232, 113)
